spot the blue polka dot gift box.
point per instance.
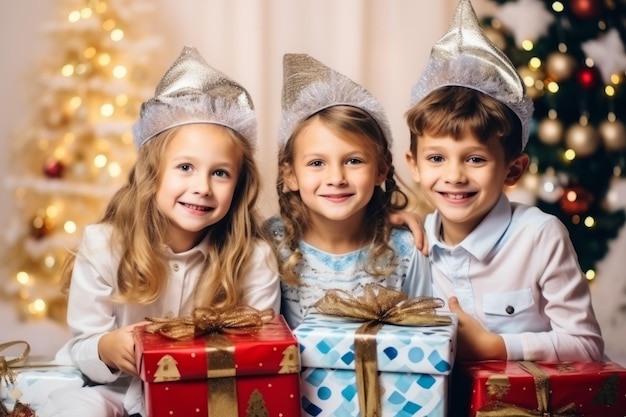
(411, 375)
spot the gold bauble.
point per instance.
(550, 131)
(582, 139)
(534, 80)
(613, 135)
(560, 66)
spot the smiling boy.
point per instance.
(509, 271)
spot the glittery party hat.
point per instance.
(191, 91)
(310, 86)
(465, 57)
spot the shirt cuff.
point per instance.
(514, 348)
(88, 361)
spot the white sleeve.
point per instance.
(260, 282)
(90, 311)
(575, 334)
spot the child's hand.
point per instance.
(414, 223)
(117, 349)
(474, 342)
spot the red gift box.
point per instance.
(247, 372)
(495, 388)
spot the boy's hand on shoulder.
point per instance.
(414, 223)
(117, 349)
(474, 342)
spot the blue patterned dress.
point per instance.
(320, 271)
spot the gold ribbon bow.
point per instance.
(6, 373)
(205, 320)
(542, 389)
(377, 305)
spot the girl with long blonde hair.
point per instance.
(182, 233)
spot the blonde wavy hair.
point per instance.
(349, 122)
(139, 232)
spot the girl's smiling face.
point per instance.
(334, 175)
(199, 172)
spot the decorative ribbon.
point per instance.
(220, 352)
(206, 320)
(6, 373)
(542, 388)
(377, 305)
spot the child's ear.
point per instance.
(517, 167)
(412, 164)
(289, 179)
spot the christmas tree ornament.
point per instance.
(575, 200)
(582, 139)
(53, 168)
(533, 80)
(550, 131)
(191, 91)
(465, 46)
(560, 66)
(586, 9)
(531, 182)
(588, 78)
(527, 19)
(39, 228)
(607, 53)
(613, 134)
(550, 188)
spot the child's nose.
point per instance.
(202, 185)
(455, 174)
(336, 175)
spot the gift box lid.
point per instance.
(269, 349)
(328, 342)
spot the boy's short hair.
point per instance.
(453, 110)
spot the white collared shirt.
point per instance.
(517, 273)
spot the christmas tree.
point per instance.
(571, 57)
(76, 147)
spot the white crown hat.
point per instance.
(310, 86)
(465, 57)
(191, 91)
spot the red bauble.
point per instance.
(586, 9)
(22, 410)
(588, 78)
(53, 168)
(575, 200)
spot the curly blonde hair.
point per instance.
(139, 232)
(350, 122)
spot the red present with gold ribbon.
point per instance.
(220, 371)
(553, 389)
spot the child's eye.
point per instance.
(221, 173)
(353, 161)
(435, 158)
(476, 160)
(316, 163)
(184, 167)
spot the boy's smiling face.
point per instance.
(463, 178)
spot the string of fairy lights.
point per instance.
(77, 147)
